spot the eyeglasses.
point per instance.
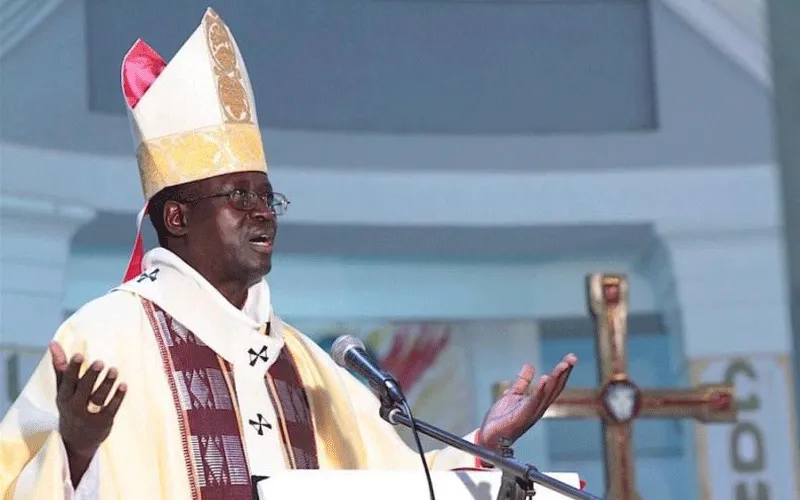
(246, 200)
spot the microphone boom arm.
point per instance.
(523, 472)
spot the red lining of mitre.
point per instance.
(140, 68)
(134, 268)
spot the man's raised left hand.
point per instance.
(518, 409)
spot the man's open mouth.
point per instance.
(263, 241)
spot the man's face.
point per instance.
(236, 244)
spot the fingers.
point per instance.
(555, 391)
(535, 404)
(59, 359)
(58, 356)
(86, 383)
(546, 390)
(561, 374)
(70, 378)
(546, 393)
(544, 384)
(78, 390)
(542, 395)
(523, 380)
(111, 408)
(541, 384)
(104, 389)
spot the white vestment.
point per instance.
(149, 453)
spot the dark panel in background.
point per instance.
(411, 66)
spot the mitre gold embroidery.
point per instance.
(199, 154)
(230, 86)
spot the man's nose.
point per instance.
(262, 210)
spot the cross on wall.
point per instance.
(619, 401)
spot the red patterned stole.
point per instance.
(208, 415)
(291, 405)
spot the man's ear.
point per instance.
(175, 218)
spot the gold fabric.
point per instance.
(199, 154)
(230, 85)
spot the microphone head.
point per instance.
(341, 346)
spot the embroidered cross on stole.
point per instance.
(204, 395)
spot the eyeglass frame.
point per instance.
(284, 201)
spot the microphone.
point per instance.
(349, 352)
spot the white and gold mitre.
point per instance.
(195, 117)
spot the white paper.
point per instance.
(394, 485)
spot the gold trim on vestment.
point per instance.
(288, 450)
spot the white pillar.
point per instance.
(725, 300)
(34, 249)
(35, 238)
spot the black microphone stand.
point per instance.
(518, 477)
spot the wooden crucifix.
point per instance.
(618, 400)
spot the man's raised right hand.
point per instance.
(85, 419)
